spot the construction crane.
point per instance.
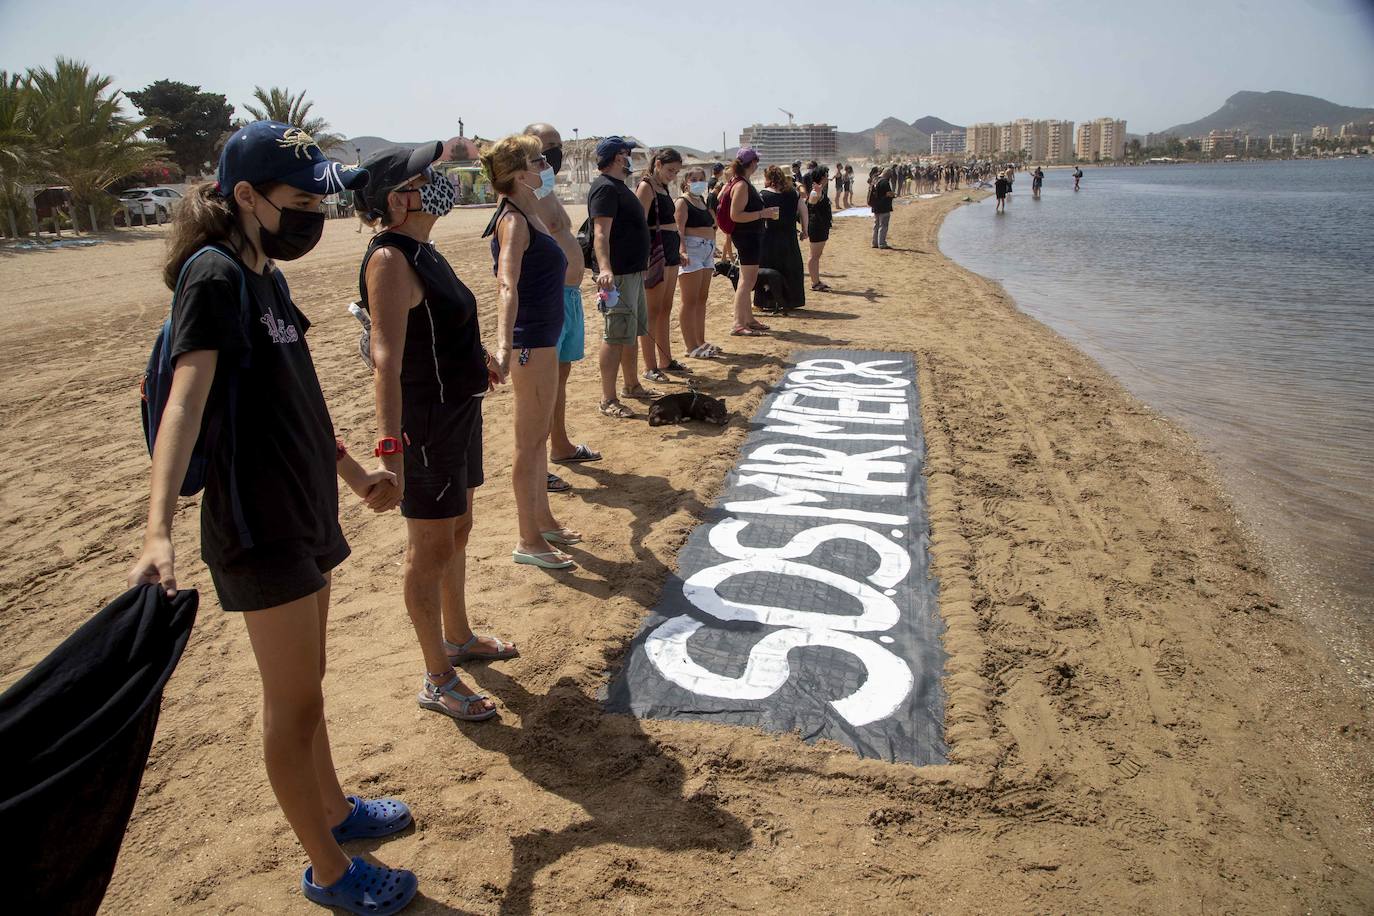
(789, 116)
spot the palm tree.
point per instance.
(90, 143)
(280, 105)
(21, 156)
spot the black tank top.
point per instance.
(753, 205)
(542, 267)
(443, 358)
(699, 217)
(662, 212)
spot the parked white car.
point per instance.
(153, 203)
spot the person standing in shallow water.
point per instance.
(271, 553)
(1000, 189)
(431, 375)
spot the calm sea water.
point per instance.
(1239, 300)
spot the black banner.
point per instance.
(804, 602)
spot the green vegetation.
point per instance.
(276, 104)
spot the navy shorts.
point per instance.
(443, 457)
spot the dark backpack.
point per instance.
(218, 431)
(723, 219)
(586, 240)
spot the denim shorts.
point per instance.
(701, 255)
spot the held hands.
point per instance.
(498, 368)
(155, 565)
(378, 488)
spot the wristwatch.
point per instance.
(387, 445)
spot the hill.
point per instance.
(931, 124)
(903, 138)
(1261, 113)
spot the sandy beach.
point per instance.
(1137, 723)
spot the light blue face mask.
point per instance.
(545, 188)
(698, 188)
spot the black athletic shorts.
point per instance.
(749, 247)
(672, 249)
(443, 456)
(274, 574)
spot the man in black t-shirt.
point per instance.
(621, 242)
(880, 200)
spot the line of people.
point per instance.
(244, 394)
(245, 399)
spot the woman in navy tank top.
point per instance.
(530, 266)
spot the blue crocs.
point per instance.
(366, 889)
(372, 818)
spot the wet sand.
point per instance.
(1137, 723)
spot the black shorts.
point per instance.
(274, 574)
(749, 247)
(672, 249)
(443, 456)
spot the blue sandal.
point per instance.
(366, 889)
(373, 818)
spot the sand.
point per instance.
(1137, 724)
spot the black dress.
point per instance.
(781, 251)
(819, 219)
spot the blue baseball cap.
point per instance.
(272, 151)
(610, 147)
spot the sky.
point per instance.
(678, 73)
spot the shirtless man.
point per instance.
(572, 342)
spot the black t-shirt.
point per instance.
(882, 203)
(285, 452)
(629, 240)
(1002, 186)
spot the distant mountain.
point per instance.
(688, 152)
(1263, 113)
(931, 124)
(902, 138)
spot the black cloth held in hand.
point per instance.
(76, 731)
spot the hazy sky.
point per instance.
(408, 71)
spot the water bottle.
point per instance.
(607, 299)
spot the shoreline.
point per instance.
(1135, 722)
(1328, 603)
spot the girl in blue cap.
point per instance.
(243, 382)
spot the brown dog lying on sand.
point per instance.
(687, 405)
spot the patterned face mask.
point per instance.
(437, 196)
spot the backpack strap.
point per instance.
(215, 427)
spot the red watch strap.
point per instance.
(387, 445)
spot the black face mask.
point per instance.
(554, 156)
(298, 231)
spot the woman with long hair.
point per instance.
(780, 236)
(818, 224)
(748, 212)
(666, 245)
(529, 266)
(697, 225)
(269, 519)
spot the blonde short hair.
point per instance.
(507, 157)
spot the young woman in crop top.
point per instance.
(530, 267)
(654, 195)
(697, 225)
